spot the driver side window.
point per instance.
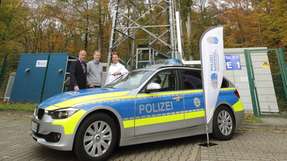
(166, 79)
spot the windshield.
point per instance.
(132, 81)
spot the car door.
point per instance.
(191, 85)
(160, 110)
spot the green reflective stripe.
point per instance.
(196, 114)
(238, 106)
(129, 123)
(159, 120)
(227, 89)
(163, 119)
(69, 124)
(116, 96)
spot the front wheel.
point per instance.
(96, 138)
(223, 123)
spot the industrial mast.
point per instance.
(155, 20)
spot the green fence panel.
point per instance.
(283, 70)
(251, 78)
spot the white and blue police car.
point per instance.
(155, 103)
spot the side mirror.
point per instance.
(153, 87)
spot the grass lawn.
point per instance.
(27, 107)
(250, 118)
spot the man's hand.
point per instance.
(92, 85)
(76, 88)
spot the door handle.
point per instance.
(27, 70)
(177, 98)
(60, 70)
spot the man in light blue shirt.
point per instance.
(95, 70)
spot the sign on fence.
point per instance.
(232, 62)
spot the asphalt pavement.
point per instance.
(253, 141)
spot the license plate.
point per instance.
(35, 127)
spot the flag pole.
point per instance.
(203, 4)
(207, 135)
(211, 48)
(204, 99)
(204, 91)
(206, 125)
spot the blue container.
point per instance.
(39, 76)
(55, 76)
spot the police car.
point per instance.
(151, 104)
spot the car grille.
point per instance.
(40, 113)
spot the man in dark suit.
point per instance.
(78, 72)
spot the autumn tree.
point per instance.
(272, 17)
(13, 15)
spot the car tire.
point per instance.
(223, 123)
(96, 138)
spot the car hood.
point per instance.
(72, 98)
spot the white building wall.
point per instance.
(263, 80)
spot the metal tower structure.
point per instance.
(149, 23)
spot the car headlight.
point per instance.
(62, 113)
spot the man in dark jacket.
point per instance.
(78, 72)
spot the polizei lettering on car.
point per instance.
(150, 108)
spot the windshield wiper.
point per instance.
(110, 85)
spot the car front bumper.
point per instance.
(52, 136)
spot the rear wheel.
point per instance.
(96, 138)
(223, 123)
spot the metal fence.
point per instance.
(279, 76)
